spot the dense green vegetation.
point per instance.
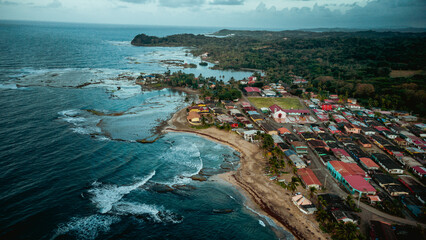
(355, 64)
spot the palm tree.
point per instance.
(346, 231)
(292, 186)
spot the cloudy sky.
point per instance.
(259, 14)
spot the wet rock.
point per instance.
(223, 211)
(227, 166)
(160, 188)
(199, 177)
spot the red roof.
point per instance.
(347, 169)
(308, 177)
(359, 183)
(369, 163)
(252, 89)
(296, 111)
(420, 169)
(274, 108)
(339, 151)
(283, 130)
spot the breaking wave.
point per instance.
(86, 227)
(151, 212)
(105, 196)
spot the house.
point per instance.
(299, 147)
(413, 205)
(412, 184)
(296, 160)
(277, 139)
(304, 205)
(327, 107)
(343, 216)
(194, 118)
(350, 128)
(368, 131)
(308, 178)
(252, 91)
(409, 118)
(419, 170)
(401, 142)
(283, 146)
(342, 155)
(278, 113)
(373, 199)
(363, 141)
(391, 185)
(351, 176)
(249, 134)
(296, 112)
(268, 128)
(333, 129)
(368, 164)
(382, 231)
(386, 163)
(283, 131)
(308, 136)
(389, 134)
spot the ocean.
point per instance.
(70, 163)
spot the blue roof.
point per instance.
(289, 152)
(252, 112)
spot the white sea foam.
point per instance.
(119, 43)
(74, 120)
(87, 227)
(153, 212)
(70, 112)
(86, 130)
(267, 219)
(106, 196)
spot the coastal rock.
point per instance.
(160, 188)
(223, 211)
(199, 177)
(211, 171)
(227, 166)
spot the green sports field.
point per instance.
(284, 103)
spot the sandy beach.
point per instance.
(271, 199)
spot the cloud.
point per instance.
(181, 3)
(227, 2)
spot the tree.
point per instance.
(268, 142)
(346, 231)
(364, 90)
(292, 186)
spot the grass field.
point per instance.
(405, 73)
(284, 103)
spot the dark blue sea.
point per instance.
(70, 165)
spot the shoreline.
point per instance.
(269, 198)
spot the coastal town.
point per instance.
(341, 168)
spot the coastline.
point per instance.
(266, 197)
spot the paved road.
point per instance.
(388, 217)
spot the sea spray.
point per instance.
(105, 196)
(86, 227)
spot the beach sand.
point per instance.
(271, 199)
